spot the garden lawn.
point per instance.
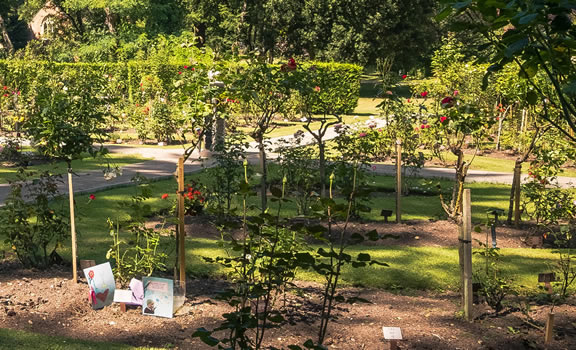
(86, 164)
(423, 268)
(496, 164)
(15, 339)
(410, 267)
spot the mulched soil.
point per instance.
(49, 302)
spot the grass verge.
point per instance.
(86, 164)
(16, 339)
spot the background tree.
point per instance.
(539, 36)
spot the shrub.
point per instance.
(33, 228)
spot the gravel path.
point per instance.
(164, 160)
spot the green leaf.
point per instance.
(447, 11)
(363, 257)
(532, 97)
(276, 192)
(309, 344)
(372, 235)
(462, 4)
(570, 88)
(516, 46)
(356, 238)
(528, 18)
(276, 318)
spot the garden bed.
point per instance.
(48, 302)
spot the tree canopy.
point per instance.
(359, 31)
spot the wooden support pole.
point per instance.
(72, 226)
(466, 254)
(549, 335)
(398, 181)
(181, 229)
(517, 177)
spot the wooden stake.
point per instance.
(393, 345)
(72, 226)
(549, 335)
(517, 176)
(181, 229)
(466, 254)
(398, 181)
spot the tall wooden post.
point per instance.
(517, 177)
(72, 226)
(398, 181)
(466, 254)
(181, 238)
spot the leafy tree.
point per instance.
(539, 36)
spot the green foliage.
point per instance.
(300, 171)
(11, 152)
(261, 263)
(565, 265)
(33, 228)
(493, 286)
(224, 179)
(332, 88)
(140, 255)
(539, 37)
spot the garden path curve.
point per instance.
(163, 165)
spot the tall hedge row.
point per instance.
(339, 83)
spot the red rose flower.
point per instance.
(317, 88)
(165, 195)
(424, 93)
(362, 134)
(185, 67)
(422, 126)
(291, 65)
(92, 197)
(179, 72)
(427, 126)
(443, 119)
(447, 102)
(404, 76)
(456, 92)
(5, 87)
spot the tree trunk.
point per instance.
(5, 37)
(110, 20)
(322, 167)
(511, 201)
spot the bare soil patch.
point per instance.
(49, 302)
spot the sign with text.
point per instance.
(158, 297)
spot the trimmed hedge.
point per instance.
(340, 83)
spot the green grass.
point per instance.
(86, 164)
(488, 163)
(422, 268)
(410, 267)
(16, 339)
